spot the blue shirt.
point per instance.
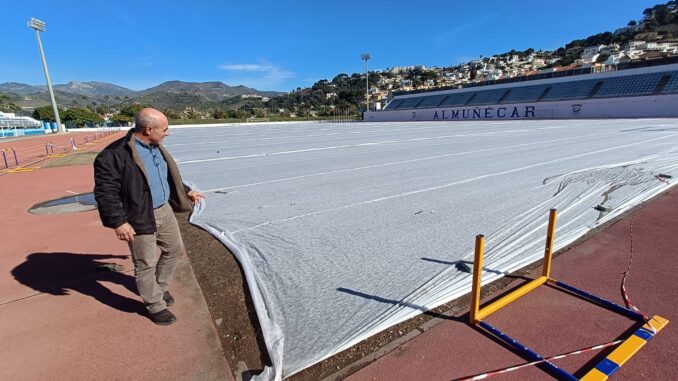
(156, 169)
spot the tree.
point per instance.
(602, 58)
(647, 13)
(651, 24)
(171, 113)
(132, 110)
(192, 113)
(568, 59)
(127, 113)
(6, 105)
(46, 113)
(219, 114)
(663, 14)
(103, 110)
(121, 120)
(632, 23)
(80, 117)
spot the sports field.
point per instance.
(346, 229)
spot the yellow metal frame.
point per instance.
(478, 313)
(612, 362)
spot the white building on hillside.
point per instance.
(591, 53)
(660, 46)
(616, 58)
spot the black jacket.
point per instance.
(121, 187)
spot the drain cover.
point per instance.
(71, 204)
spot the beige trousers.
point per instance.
(154, 274)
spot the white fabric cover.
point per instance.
(344, 230)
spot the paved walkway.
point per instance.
(552, 323)
(61, 319)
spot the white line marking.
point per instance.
(465, 181)
(404, 162)
(369, 144)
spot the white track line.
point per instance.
(465, 181)
(368, 144)
(405, 162)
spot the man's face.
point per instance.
(157, 134)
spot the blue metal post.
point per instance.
(605, 303)
(528, 353)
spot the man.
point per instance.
(135, 182)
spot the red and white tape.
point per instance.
(516, 367)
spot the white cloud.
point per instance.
(262, 76)
(247, 67)
(142, 61)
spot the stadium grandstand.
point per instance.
(11, 121)
(650, 91)
(13, 125)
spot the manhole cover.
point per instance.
(71, 204)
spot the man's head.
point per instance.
(151, 126)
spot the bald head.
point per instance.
(151, 126)
(149, 117)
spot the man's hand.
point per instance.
(194, 196)
(125, 232)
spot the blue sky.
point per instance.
(281, 45)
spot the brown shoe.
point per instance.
(169, 300)
(164, 317)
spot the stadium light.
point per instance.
(39, 26)
(366, 57)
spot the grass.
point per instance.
(76, 158)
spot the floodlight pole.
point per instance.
(365, 57)
(39, 26)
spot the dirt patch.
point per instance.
(76, 158)
(224, 287)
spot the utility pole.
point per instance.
(39, 26)
(366, 57)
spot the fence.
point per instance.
(342, 116)
(18, 154)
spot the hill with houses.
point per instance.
(654, 36)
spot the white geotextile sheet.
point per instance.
(344, 230)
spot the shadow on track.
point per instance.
(58, 273)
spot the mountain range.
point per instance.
(167, 94)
